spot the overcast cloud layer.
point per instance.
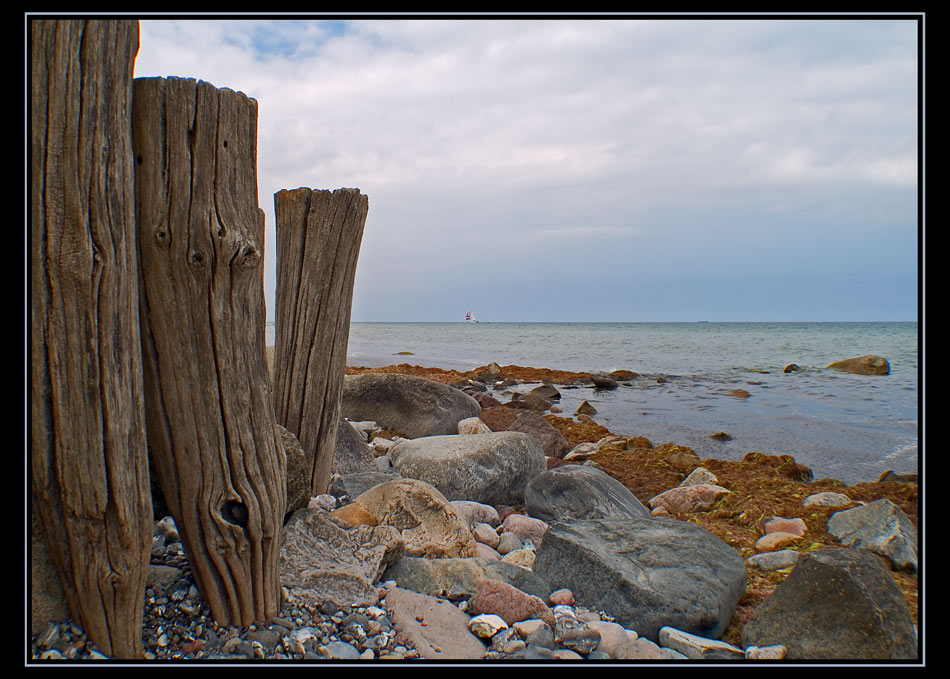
(590, 170)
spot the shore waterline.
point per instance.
(843, 426)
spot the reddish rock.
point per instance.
(561, 597)
(779, 524)
(509, 603)
(640, 649)
(773, 541)
(355, 514)
(684, 499)
(739, 393)
(525, 527)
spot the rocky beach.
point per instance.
(466, 521)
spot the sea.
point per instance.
(843, 426)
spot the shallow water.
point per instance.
(849, 427)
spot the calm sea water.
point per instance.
(849, 427)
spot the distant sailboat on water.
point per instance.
(470, 318)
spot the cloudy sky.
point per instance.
(582, 169)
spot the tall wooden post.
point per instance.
(318, 243)
(209, 407)
(88, 454)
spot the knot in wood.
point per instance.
(162, 239)
(235, 512)
(196, 259)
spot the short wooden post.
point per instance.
(87, 439)
(209, 407)
(318, 244)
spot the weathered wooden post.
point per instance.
(318, 243)
(209, 407)
(87, 438)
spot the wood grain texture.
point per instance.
(209, 407)
(318, 242)
(87, 439)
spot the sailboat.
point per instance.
(469, 318)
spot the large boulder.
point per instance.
(413, 406)
(299, 470)
(646, 572)
(880, 527)
(459, 577)
(580, 492)
(862, 365)
(839, 603)
(429, 524)
(553, 443)
(352, 454)
(323, 560)
(433, 626)
(488, 468)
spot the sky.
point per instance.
(575, 168)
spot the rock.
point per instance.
(561, 597)
(429, 524)
(862, 365)
(585, 408)
(773, 561)
(299, 470)
(739, 393)
(576, 636)
(473, 425)
(459, 577)
(525, 527)
(880, 527)
(322, 501)
(483, 551)
(721, 436)
(685, 499)
(158, 574)
(838, 603)
(355, 514)
(412, 406)
(546, 391)
(779, 524)
(772, 541)
(622, 375)
(323, 561)
(476, 512)
(510, 603)
(775, 652)
(487, 468)
(485, 534)
(791, 367)
(662, 572)
(640, 649)
(530, 402)
(698, 648)
(612, 636)
(487, 625)
(890, 476)
(437, 628)
(352, 454)
(553, 443)
(353, 485)
(601, 381)
(827, 499)
(700, 476)
(580, 492)
(523, 557)
(508, 542)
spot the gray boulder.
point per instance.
(580, 492)
(459, 577)
(646, 572)
(412, 406)
(351, 486)
(299, 470)
(839, 603)
(352, 454)
(488, 468)
(880, 527)
(553, 443)
(323, 560)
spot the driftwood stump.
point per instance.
(318, 243)
(88, 454)
(209, 407)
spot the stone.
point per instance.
(721, 436)
(508, 542)
(487, 625)
(488, 468)
(159, 574)
(880, 527)
(827, 498)
(698, 648)
(890, 476)
(837, 604)
(553, 443)
(521, 557)
(510, 603)
(476, 512)
(322, 501)
(413, 406)
(546, 391)
(662, 572)
(778, 540)
(352, 454)
(525, 527)
(700, 476)
(437, 628)
(428, 523)
(739, 393)
(585, 408)
(686, 499)
(351, 486)
(612, 636)
(484, 551)
(299, 470)
(355, 514)
(774, 561)
(780, 524)
(601, 381)
(459, 577)
(640, 649)
(486, 534)
(862, 365)
(622, 375)
(791, 368)
(580, 492)
(473, 425)
(774, 652)
(321, 560)
(561, 597)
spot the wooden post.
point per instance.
(318, 243)
(209, 407)
(87, 439)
